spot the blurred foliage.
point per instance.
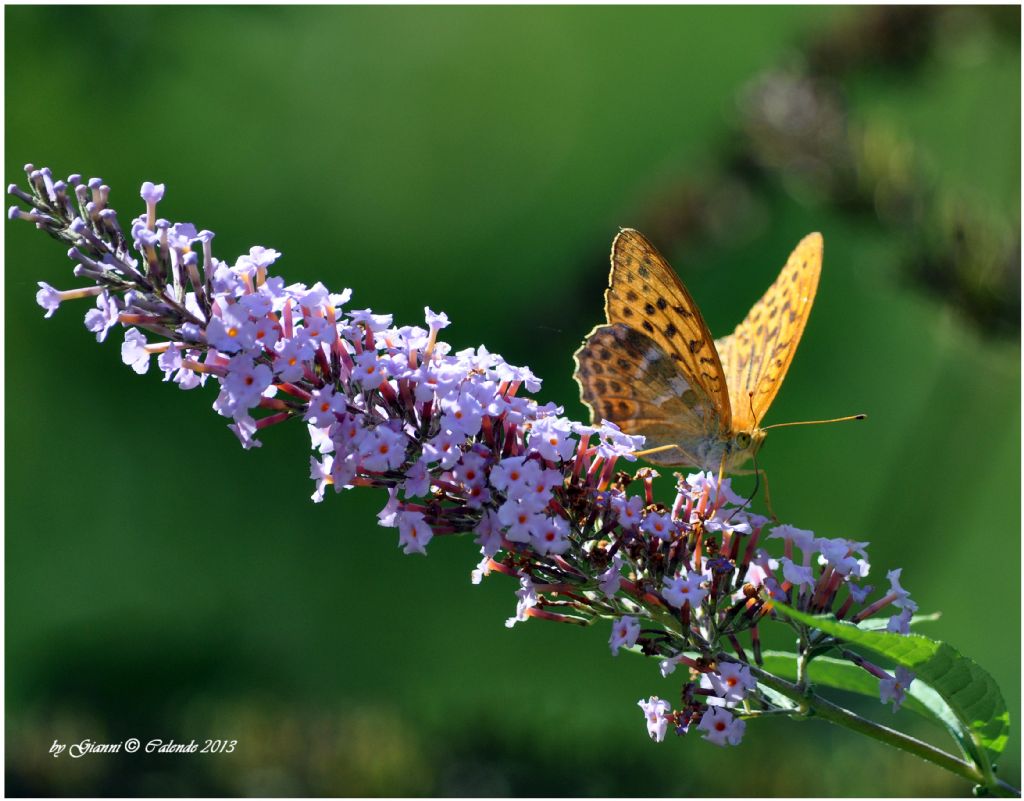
(810, 127)
(160, 582)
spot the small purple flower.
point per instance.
(439, 380)
(900, 622)
(375, 322)
(796, 574)
(244, 428)
(514, 474)
(261, 257)
(324, 405)
(463, 414)
(539, 489)
(320, 472)
(720, 727)
(170, 362)
(728, 521)
(902, 599)
(629, 510)
(388, 516)
(232, 330)
(614, 443)
(520, 521)
(761, 568)
(702, 482)
(838, 554)
(625, 631)
(488, 534)
(291, 356)
(801, 538)
(435, 320)
(526, 597)
(657, 524)
(371, 370)
(320, 438)
(180, 237)
(101, 319)
(152, 193)
(611, 579)
(384, 449)
(551, 438)
(444, 448)
(680, 589)
(731, 682)
(48, 297)
(477, 495)
(133, 351)
(552, 536)
(244, 385)
(414, 533)
(668, 666)
(859, 594)
(417, 480)
(655, 711)
(894, 689)
(471, 468)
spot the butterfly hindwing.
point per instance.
(645, 294)
(626, 378)
(758, 353)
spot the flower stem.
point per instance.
(817, 706)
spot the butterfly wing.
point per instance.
(626, 378)
(645, 294)
(758, 353)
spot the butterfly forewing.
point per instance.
(646, 295)
(756, 356)
(626, 378)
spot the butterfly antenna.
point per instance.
(818, 422)
(655, 450)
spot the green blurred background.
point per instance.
(161, 582)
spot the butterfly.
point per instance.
(654, 368)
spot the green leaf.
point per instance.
(840, 674)
(971, 704)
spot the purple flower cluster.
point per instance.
(460, 450)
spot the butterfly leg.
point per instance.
(655, 450)
(762, 475)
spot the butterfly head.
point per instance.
(742, 447)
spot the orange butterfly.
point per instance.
(654, 368)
